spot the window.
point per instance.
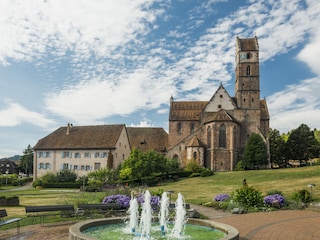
(122, 156)
(40, 154)
(191, 127)
(87, 168)
(97, 166)
(82, 167)
(248, 71)
(195, 155)
(87, 154)
(222, 136)
(77, 155)
(41, 166)
(248, 55)
(65, 166)
(75, 167)
(103, 154)
(47, 166)
(209, 137)
(66, 154)
(219, 106)
(179, 128)
(96, 154)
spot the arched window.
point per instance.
(191, 127)
(222, 136)
(248, 71)
(194, 155)
(179, 128)
(209, 137)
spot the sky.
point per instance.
(92, 62)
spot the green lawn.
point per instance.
(195, 190)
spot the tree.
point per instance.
(255, 152)
(144, 164)
(27, 161)
(302, 144)
(277, 148)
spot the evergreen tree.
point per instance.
(27, 161)
(277, 148)
(255, 152)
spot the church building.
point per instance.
(215, 132)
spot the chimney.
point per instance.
(68, 128)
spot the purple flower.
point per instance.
(275, 198)
(221, 197)
(122, 200)
(154, 199)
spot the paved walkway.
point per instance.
(277, 225)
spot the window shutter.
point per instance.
(38, 165)
(62, 154)
(61, 166)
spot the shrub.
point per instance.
(302, 195)
(206, 172)
(38, 182)
(122, 200)
(193, 166)
(248, 197)
(273, 200)
(221, 197)
(194, 175)
(66, 175)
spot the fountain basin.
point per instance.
(75, 231)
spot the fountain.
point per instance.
(143, 226)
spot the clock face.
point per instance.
(243, 56)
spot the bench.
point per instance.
(91, 209)
(3, 221)
(49, 210)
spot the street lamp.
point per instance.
(7, 177)
(311, 186)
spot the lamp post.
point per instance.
(311, 186)
(7, 177)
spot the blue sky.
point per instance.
(119, 61)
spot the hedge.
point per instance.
(62, 185)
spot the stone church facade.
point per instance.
(215, 132)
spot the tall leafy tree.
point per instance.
(143, 164)
(277, 148)
(27, 161)
(302, 144)
(255, 152)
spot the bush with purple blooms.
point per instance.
(122, 200)
(221, 197)
(154, 199)
(273, 199)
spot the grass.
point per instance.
(195, 190)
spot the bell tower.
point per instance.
(247, 86)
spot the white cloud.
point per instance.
(34, 28)
(297, 104)
(15, 114)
